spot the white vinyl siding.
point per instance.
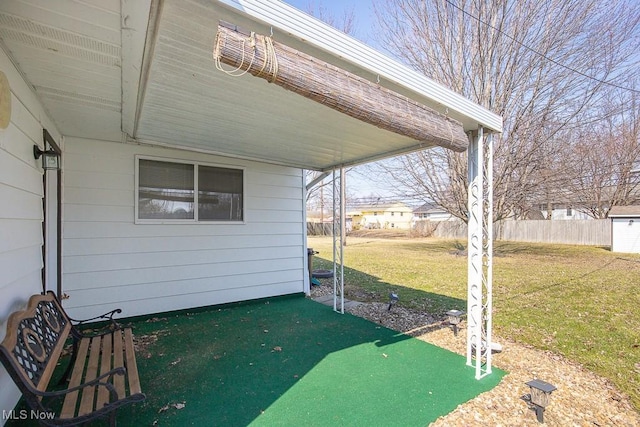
(110, 261)
(21, 213)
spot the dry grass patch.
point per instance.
(578, 302)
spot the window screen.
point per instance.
(165, 190)
(219, 194)
(170, 191)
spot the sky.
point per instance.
(362, 9)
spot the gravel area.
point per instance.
(582, 398)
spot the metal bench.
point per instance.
(103, 370)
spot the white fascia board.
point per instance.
(305, 27)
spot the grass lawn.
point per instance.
(578, 301)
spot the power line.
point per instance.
(541, 54)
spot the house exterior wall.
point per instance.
(109, 261)
(625, 235)
(21, 212)
(385, 217)
(564, 213)
(433, 216)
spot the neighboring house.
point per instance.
(561, 211)
(382, 216)
(180, 186)
(625, 229)
(431, 212)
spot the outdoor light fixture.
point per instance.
(454, 319)
(630, 222)
(393, 298)
(539, 397)
(50, 159)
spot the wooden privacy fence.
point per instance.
(577, 232)
(319, 229)
(596, 232)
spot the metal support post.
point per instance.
(338, 239)
(480, 253)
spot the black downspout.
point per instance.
(48, 139)
(44, 233)
(59, 232)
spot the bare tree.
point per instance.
(603, 160)
(319, 196)
(540, 64)
(346, 22)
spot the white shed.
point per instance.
(625, 229)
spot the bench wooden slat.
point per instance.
(118, 380)
(132, 367)
(69, 406)
(105, 366)
(88, 394)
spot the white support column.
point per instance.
(480, 253)
(488, 247)
(338, 239)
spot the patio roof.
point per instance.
(142, 71)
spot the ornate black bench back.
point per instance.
(34, 340)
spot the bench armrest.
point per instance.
(95, 382)
(113, 324)
(106, 316)
(76, 323)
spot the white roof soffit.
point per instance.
(184, 102)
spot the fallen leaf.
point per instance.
(164, 408)
(179, 405)
(277, 348)
(175, 362)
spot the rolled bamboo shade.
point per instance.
(336, 88)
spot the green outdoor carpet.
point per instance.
(290, 361)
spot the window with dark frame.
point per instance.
(189, 191)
